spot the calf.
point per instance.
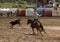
(14, 23)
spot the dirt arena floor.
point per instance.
(24, 33)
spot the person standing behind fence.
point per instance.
(55, 7)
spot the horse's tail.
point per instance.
(41, 26)
(42, 29)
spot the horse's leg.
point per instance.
(33, 31)
(43, 30)
(46, 33)
(40, 32)
(37, 31)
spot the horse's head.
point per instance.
(29, 21)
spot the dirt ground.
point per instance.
(24, 33)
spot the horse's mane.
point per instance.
(29, 21)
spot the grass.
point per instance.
(58, 3)
(11, 5)
(6, 5)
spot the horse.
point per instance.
(38, 25)
(17, 21)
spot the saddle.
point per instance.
(34, 21)
(37, 21)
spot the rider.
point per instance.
(35, 18)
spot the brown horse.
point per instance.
(37, 25)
